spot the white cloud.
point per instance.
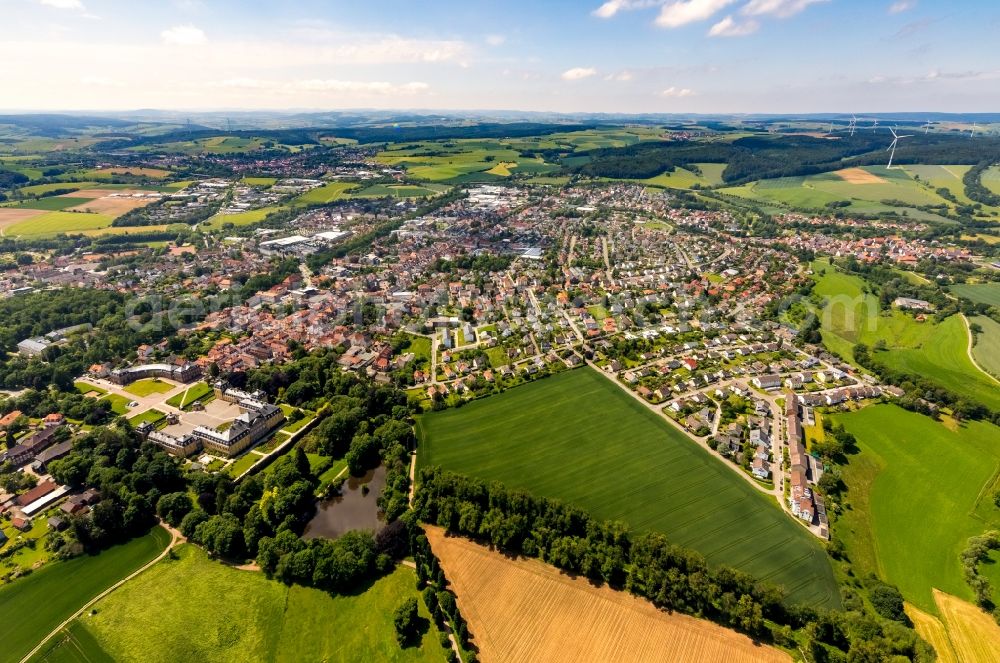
(578, 73)
(62, 4)
(902, 6)
(183, 35)
(495, 40)
(682, 12)
(729, 27)
(362, 88)
(677, 92)
(612, 7)
(622, 76)
(779, 8)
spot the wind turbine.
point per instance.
(927, 126)
(874, 127)
(854, 123)
(973, 132)
(892, 147)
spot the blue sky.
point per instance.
(599, 56)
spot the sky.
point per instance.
(608, 56)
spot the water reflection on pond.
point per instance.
(351, 510)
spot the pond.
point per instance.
(351, 510)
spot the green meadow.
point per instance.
(325, 194)
(400, 191)
(918, 490)
(31, 607)
(52, 203)
(579, 438)
(682, 178)
(981, 293)
(986, 351)
(207, 611)
(936, 351)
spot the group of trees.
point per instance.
(649, 566)
(973, 181)
(976, 552)
(130, 476)
(439, 599)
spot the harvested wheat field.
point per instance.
(524, 610)
(114, 203)
(974, 634)
(933, 631)
(859, 176)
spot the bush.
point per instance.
(405, 620)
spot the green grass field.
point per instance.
(578, 437)
(52, 203)
(31, 607)
(938, 352)
(86, 388)
(682, 178)
(193, 618)
(986, 351)
(35, 189)
(149, 386)
(53, 223)
(917, 491)
(815, 191)
(399, 191)
(240, 218)
(197, 391)
(325, 194)
(119, 404)
(981, 293)
(260, 181)
(74, 644)
(151, 416)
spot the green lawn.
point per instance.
(31, 607)
(981, 293)
(197, 391)
(86, 388)
(399, 191)
(242, 464)
(987, 348)
(578, 437)
(119, 404)
(938, 352)
(149, 386)
(917, 491)
(153, 416)
(208, 612)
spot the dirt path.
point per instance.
(175, 538)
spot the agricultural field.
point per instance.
(991, 179)
(480, 160)
(936, 351)
(274, 622)
(53, 223)
(629, 465)
(524, 610)
(240, 218)
(974, 634)
(149, 386)
(31, 607)
(865, 188)
(400, 191)
(980, 293)
(325, 194)
(36, 189)
(918, 490)
(986, 351)
(260, 181)
(682, 178)
(52, 203)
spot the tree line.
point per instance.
(650, 566)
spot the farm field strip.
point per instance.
(986, 351)
(629, 465)
(523, 610)
(973, 633)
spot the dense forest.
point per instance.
(764, 157)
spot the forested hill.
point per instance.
(764, 157)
